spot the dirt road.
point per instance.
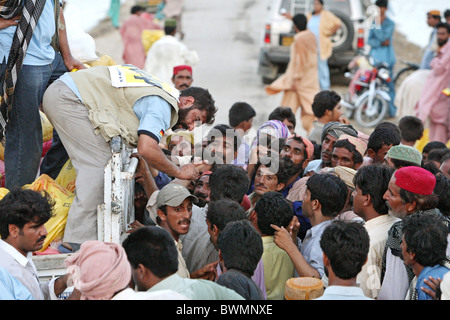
(226, 36)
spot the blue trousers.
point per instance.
(23, 138)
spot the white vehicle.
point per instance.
(278, 34)
(113, 216)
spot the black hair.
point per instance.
(330, 191)
(374, 180)
(447, 13)
(425, 234)
(387, 125)
(283, 166)
(136, 9)
(357, 157)
(240, 112)
(221, 212)
(411, 128)
(432, 145)
(346, 244)
(381, 3)
(443, 25)
(323, 101)
(21, 206)
(403, 163)
(203, 101)
(442, 191)
(229, 182)
(384, 136)
(241, 246)
(300, 21)
(154, 248)
(225, 131)
(282, 113)
(273, 208)
(437, 154)
(170, 29)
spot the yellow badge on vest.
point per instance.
(128, 75)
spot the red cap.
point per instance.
(415, 179)
(177, 69)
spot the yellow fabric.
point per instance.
(66, 177)
(424, 140)
(150, 36)
(104, 60)
(328, 23)
(63, 200)
(47, 128)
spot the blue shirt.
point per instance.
(436, 271)
(376, 37)
(153, 112)
(311, 249)
(39, 52)
(314, 27)
(11, 288)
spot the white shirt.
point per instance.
(369, 279)
(165, 54)
(24, 270)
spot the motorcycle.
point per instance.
(368, 97)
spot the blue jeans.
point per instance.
(23, 138)
(324, 74)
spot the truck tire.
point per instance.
(343, 39)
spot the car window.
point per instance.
(306, 6)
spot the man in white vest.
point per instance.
(90, 106)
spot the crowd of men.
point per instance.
(231, 215)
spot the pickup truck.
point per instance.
(113, 216)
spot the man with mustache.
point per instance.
(182, 77)
(433, 105)
(202, 190)
(174, 213)
(23, 213)
(410, 192)
(270, 177)
(330, 134)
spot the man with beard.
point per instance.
(202, 190)
(296, 151)
(434, 105)
(182, 77)
(330, 134)
(296, 154)
(91, 106)
(23, 213)
(410, 191)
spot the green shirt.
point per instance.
(278, 268)
(196, 289)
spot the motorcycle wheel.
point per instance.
(369, 121)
